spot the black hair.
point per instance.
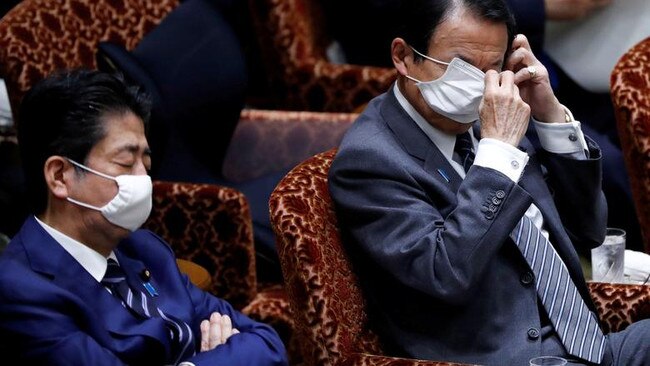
(422, 17)
(64, 114)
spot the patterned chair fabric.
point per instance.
(67, 36)
(293, 45)
(630, 90)
(328, 305)
(209, 225)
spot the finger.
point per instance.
(215, 330)
(528, 73)
(226, 328)
(507, 79)
(519, 59)
(205, 334)
(520, 41)
(491, 81)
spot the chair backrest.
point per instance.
(327, 302)
(211, 226)
(38, 37)
(630, 89)
(293, 42)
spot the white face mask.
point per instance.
(457, 93)
(131, 207)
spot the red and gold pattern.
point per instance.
(68, 34)
(211, 226)
(630, 89)
(328, 306)
(293, 45)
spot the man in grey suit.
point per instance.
(465, 238)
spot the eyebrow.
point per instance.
(133, 149)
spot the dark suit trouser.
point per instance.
(630, 347)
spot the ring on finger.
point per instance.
(532, 71)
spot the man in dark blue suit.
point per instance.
(80, 284)
(465, 238)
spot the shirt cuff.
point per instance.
(561, 138)
(502, 157)
(186, 363)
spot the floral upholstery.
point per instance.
(630, 90)
(271, 306)
(211, 226)
(328, 305)
(620, 305)
(68, 34)
(271, 141)
(293, 46)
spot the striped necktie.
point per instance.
(182, 338)
(576, 325)
(465, 149)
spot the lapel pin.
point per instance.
(443, 174)
(145, 275)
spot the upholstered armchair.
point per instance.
(68, 34)
(209, 225)
(329, 308)
(630, 90)
(293, 42)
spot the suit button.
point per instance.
(489, 215)
(533, 333)
(496, 201)
(500, 194)
(492, 208)
(527, 278)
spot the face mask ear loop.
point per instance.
(430, 58)
(413, 79)
(90, 170)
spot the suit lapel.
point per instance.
(48, 257)
(418, 144)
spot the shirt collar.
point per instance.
(93, 262)
(443, 141)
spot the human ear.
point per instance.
(401, 55)
(56, 171)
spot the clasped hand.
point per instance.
(216, 331)
(511, 96)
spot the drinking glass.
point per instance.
(607, 260)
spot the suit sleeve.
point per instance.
(419, 234)
(578, 195)
(40, 330)
(256, 344)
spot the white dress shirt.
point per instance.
(93, 262)
(560, 138)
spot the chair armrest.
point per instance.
(271, 306)
(620, 305)
(211, 226)
(272, 141)
(364, 359)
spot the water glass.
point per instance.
(607, 260)
(547, 361)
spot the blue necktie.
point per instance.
(142, 306)
(576, 325)
(465, 149)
